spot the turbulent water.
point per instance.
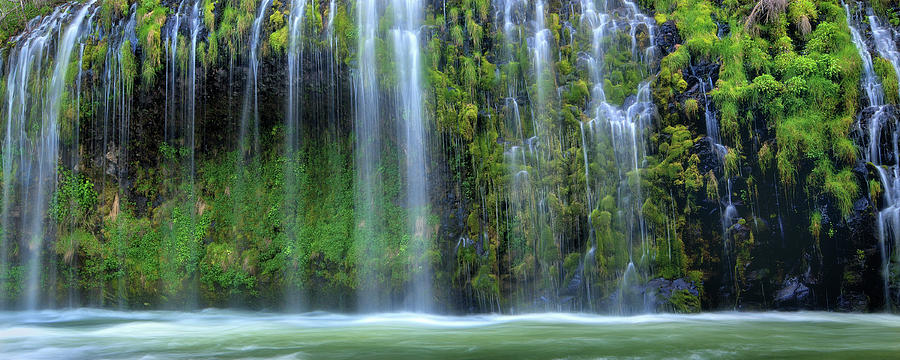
(226, 334)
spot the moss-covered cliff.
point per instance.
(164, 196)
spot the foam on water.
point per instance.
(91, 333)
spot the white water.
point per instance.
(35, 167)
(88, 334)
(622, 127)
(727, 211)
(250, 112)
(888, 219)
(367, 152)
(412, 129)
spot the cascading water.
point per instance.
(30, 159)
(250, 112)
(181, 106)
(727, 211)
(543, 75)
(334, 69)
(620, 129)
(117, 90)
(888, 169)
(411, 128)
(367, 137)
(195, 23)
(535, 245)
(182, 90)
(295, 108)
(295, 55)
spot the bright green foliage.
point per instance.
(682, 301)
(786, 97)
(75, 199)
(129, 67)
(245, 228)
(278, 40)
(151, 16)
(888, 76)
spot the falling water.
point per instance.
(727, 211)
(411, 128)
(181, 108)
(535, 246)
(543, 75)
(117, 92)
(250, 112)
(888, 218)
(295, 55)
(35, 167)
(292, 138)
(195, 23)
(620, 127)
(367, 136)
(334, 69)
(182, 90)
(171, 47)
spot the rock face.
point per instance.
(793, 295)
(709, 159)
(680, 295)
(884, 120)
(665, 288)
(667, 37)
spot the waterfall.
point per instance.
(543, 76)
(411, 128)
(534, 244)
(620, 127)
(888, 218)
(367, 149)
(181, 107)
(727, 211)
(250, 112)
(295, 56)
(30, 159)
(294, 112)
(117, 90)
(190, 132)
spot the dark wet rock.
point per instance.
(667, 37)
(709, 158)
(794, 294)
(701, 79)
(679, 295)
(576, 284)
(853, 302)
(860, 168)
(884, 121)
(665, 288)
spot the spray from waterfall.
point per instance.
(30, 159)
(620, 127)
(888, 169)
(411, 128)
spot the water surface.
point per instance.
(96, 334)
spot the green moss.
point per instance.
(888, 78)
(691, 108)
(578, 94)
(278, 40)
(209, 15)
(74, 200)
(129, 66)
(682, 301)
(150, 18)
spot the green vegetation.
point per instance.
(528, 217)
(14, 15)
